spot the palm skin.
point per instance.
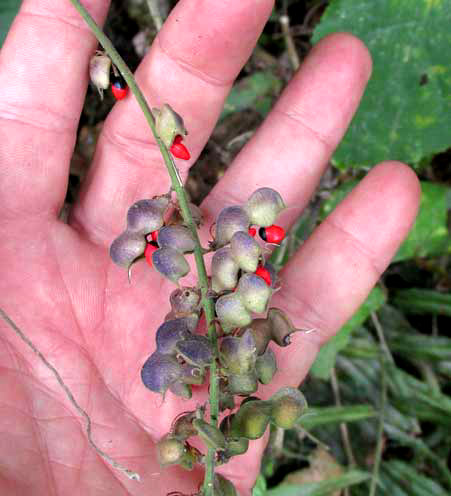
(58, 283)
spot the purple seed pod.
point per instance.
(181, 389)
(169, 333)
(281, 326)
(177, 237)
(185, 301)
(183, 428)
(242, 384)
(192, 374)
(160, 371)
(170, 263)
(230, 220)
(263, 207)
(266, 366)
(261, 331)
(272, 273)
(196, 351)
(231, 312)
(191, 319)
(146, 216)
(210, 434)
(245, 251)
(126, 248)
(224, 270)
(238, 354)
(251, 420)
(254, 292)
(288, 404)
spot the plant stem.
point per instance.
(177, 185)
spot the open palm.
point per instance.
(58, 283)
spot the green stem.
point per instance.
(177, 185)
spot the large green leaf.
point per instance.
(8, 10)
(326, 357)
(406, 111)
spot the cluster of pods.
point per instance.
(241, 284)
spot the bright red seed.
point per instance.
(252, 231)
(178, 149)
(119, 93)
(150, 248)
(264, 274)
(272, 234)
(154, 235)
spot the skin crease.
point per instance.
(58, 283)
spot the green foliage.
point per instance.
(423, 301)
(406, 111)
(323, 488)
(8, 10)
(326, 357)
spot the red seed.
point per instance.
(179, 150)
(154, 235)
(264, 274)
(119, 93)
(272, 234)
(150, 249)
(252, 231)
(178, 139)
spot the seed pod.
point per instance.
(168, 124)
(230, 220)
(272, 273)
(160, 371)
(223, 487)
(288, 405)
(170, 451)
(177, 237)
(266, 366)
(196, 351)
(245, 251)
(183, 428)
(224, 270)
(226, 400)
(235, 445)
(99, 72)
(231, 312)
(242, 384)
(238, 354)
(254, 292)
(192, 374)
(169, 333)
(185, 301)
(281, 326)
(251, 419)
(263, 206)
(170, 263)
(126, 248)
(211, 435)
(261, 331)
(146, 216)
(181, 389)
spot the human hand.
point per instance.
(58, 282)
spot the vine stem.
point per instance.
(177, 185)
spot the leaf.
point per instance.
(429, 234)
(252, 92)
(319, 416)
(260, 486)
(326, 357)
(405, 113)
(324, 488)
(423, 301)
(8, 10)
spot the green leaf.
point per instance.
(253, 91)
(8, 10)
(260, 486)
(324, 488)
(319, 416)
(423, 301)
(405, 113)
(326, 357)
(429, 234)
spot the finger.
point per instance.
(191, 66)
(331, 275)
(43, 76)
(292, 148)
